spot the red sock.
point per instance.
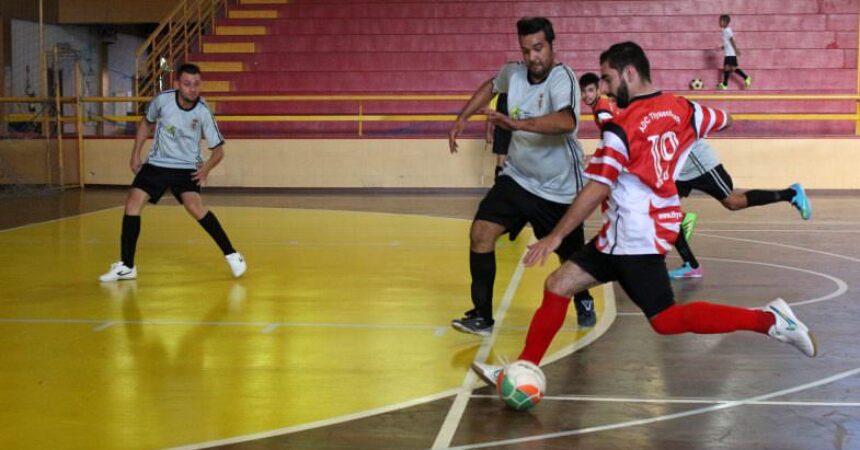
(710, 318)
(546, 322)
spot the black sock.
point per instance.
(483, 269)
(128, 239)
(741, 73)
(498, 171)
(210, 223)
(685, 251)
(757, 197)
(726, 77)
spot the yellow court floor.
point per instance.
(340, 313)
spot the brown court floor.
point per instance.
(631, 388)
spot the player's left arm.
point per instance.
(559, 122)
(215, 158)
(216, 145)
(735, 46)
(565, 99)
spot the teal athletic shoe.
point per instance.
(801, 201)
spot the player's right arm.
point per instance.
(144, 130)
(586, 201)
(479, 100)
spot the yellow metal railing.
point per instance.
(184, 26)
(361, 102)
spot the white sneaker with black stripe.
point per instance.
(119, 271)
(790, 330)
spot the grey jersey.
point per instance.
(702, 159)
(176, 144)
(549, 166)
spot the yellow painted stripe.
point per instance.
(258, 14)
(451, 117)
(240, 30)
(215, 86)
(263, 2)
(229, 47)
(224, 86)
(221, 66)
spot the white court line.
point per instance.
(664, 418)
(776, 244)
(603, 324)
(104, 326)
(59, 219)
(841, 285)
(681, 401)
(319, 424)
(799, 230)
(458, 407)
(264, 325)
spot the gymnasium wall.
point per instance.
(426, 163)
(113, 11)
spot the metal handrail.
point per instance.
(171, 40)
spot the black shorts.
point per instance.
(716, 182)
(644, 278)
(511, 206)
(501, 136)
(155, 180)
(730, 61)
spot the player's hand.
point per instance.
(501, 120)
(540, 250)
(455, 131)
(135, 164)
(200, 176)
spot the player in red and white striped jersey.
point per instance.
(633, 180)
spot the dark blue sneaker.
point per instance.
(585, 315)
(801, 201)
(473, 325)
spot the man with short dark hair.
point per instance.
(632, 179)
(542, 172)
(181, 119)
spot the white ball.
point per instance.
(521, 385)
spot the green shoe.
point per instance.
(689, 224)
(748, 81)
(722, 87)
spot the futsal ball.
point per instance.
(521, 385)
(696, 84)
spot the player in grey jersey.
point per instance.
(180, 118)
(542, 172)
(704, 172)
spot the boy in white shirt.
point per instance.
(730, 62)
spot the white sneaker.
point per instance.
(237, 264)
(487, 372)
(119, 271)
(790, 330)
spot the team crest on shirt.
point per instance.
(171, 129)
(540, 101)
(194, 124)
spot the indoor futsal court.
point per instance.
(358, 148)
(338, 335)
